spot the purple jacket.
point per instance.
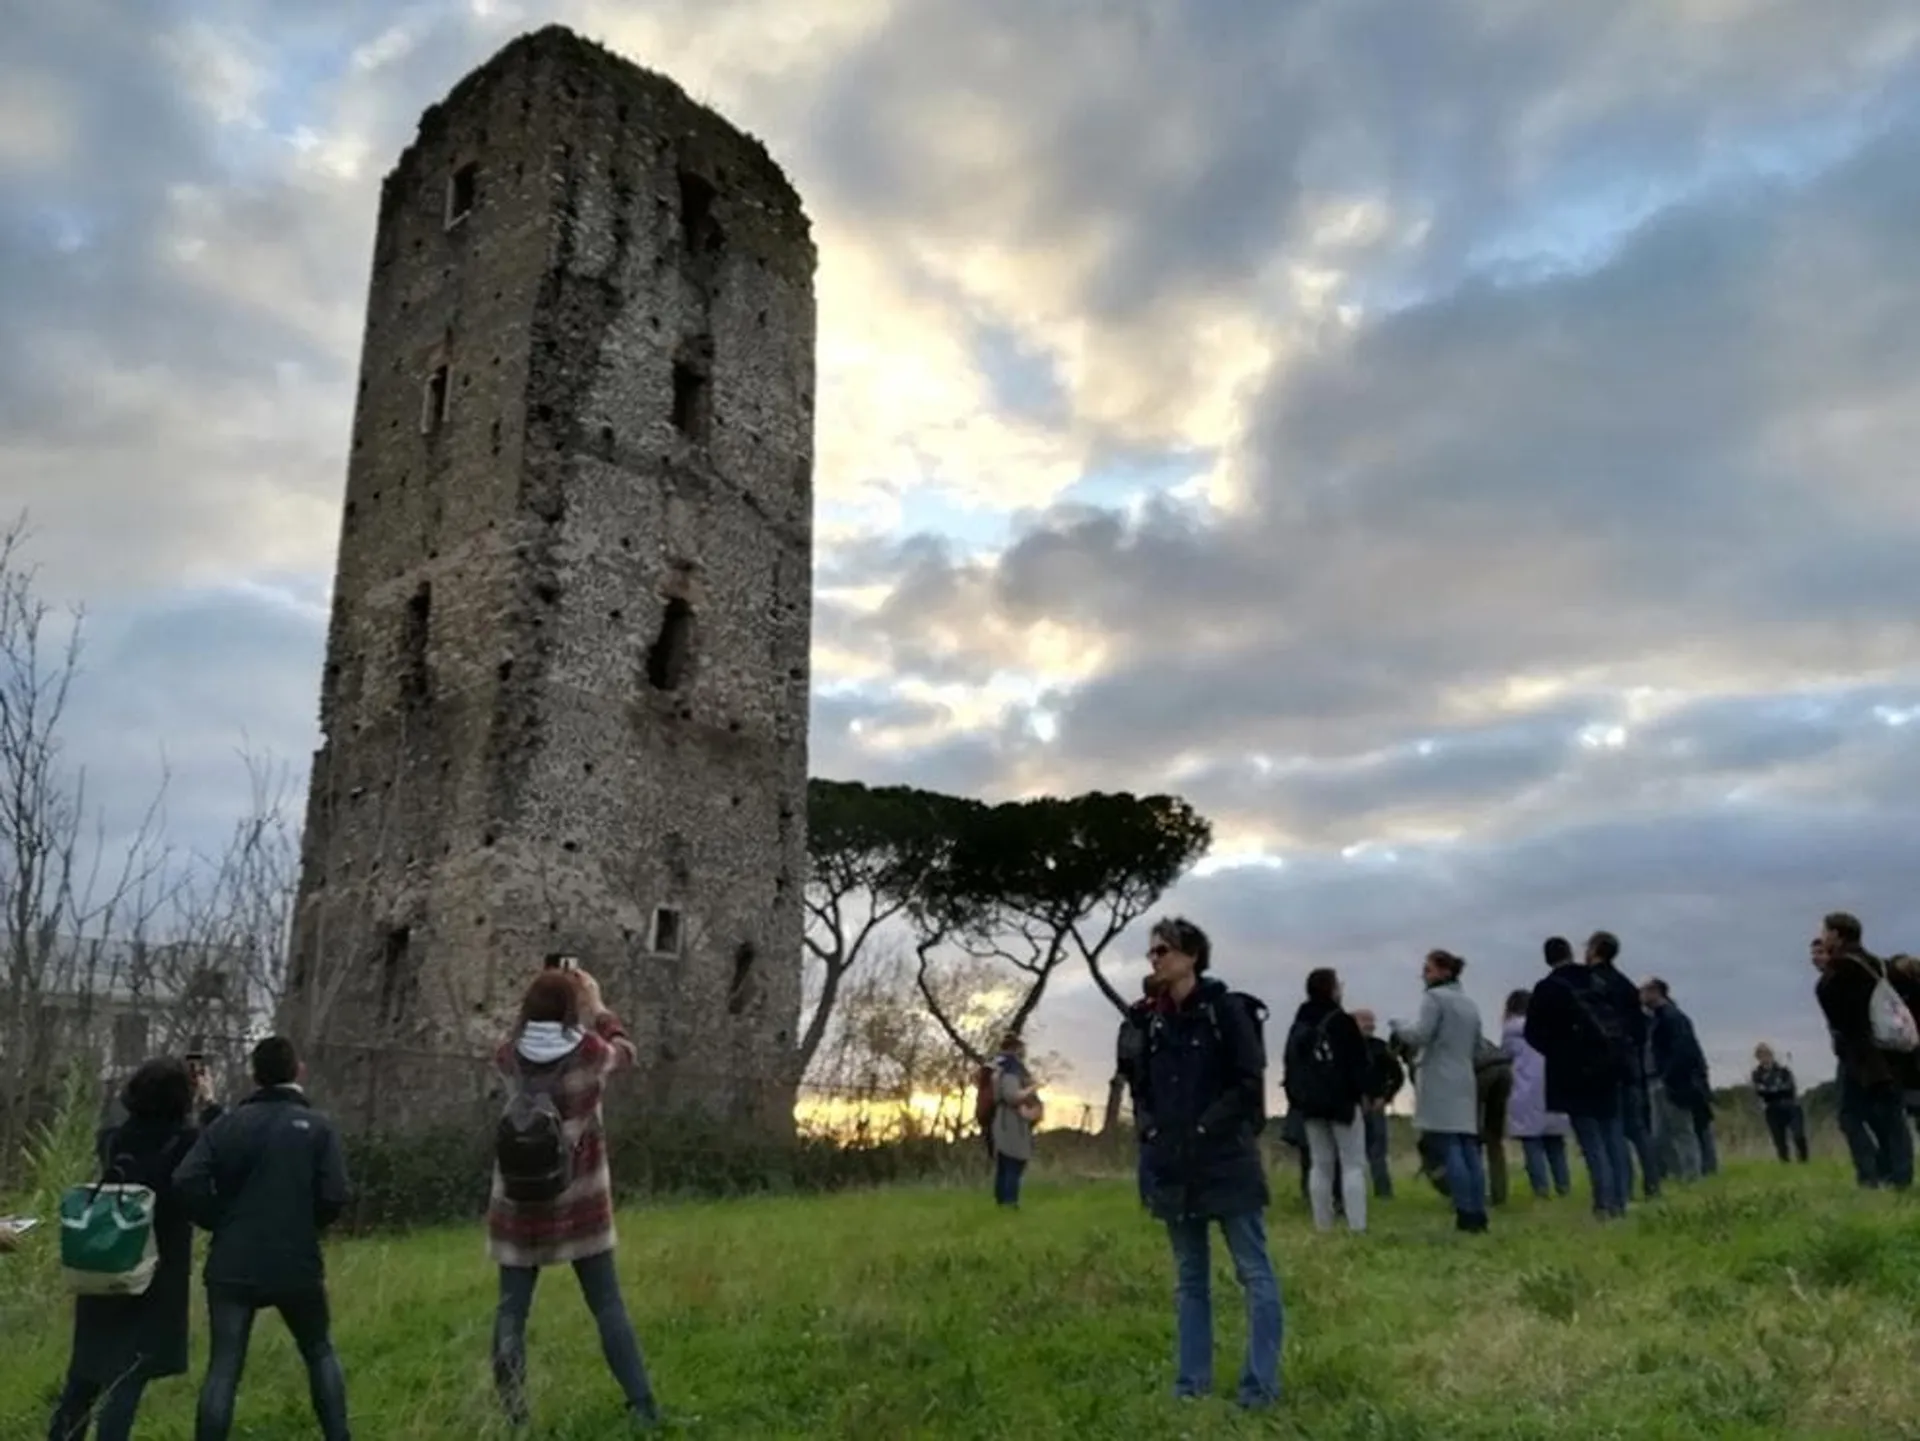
(1527, 1113)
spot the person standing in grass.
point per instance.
(1680, 1068)
(1493, 1082)
(1872, 1078)
(1385, 1079)
(1327, 1076)
(557, 1061)
(121, 1343)
(1542, 1133)
(1591, 1055)
(267, 1179)
(1204, 1092)
(1779, 1096)
(1446, 1095)
(1016, 1110)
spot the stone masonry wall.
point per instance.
(565, 701)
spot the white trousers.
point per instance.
(1334, 1150)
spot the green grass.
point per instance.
(1767, 1303)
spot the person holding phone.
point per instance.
(552, 1196)
(122, 1343)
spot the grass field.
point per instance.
(1764, 1303)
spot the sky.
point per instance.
(1466, 448)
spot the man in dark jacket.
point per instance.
(1203, 1090)
(1680, 1069)
(266, 1179)
(1778, 1092)
(1872, 1080)
(1575, 1021)
(1388, 1076)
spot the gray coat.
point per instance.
(1012, 1132)
(1446, 1036)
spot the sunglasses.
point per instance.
(1154, 953)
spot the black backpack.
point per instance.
(1255, 1011)
(530, 1145)
(1314, 1084)
(1602, 1030)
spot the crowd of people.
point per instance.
(1584, 1053)
(266, 1178)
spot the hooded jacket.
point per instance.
(1202, 1086)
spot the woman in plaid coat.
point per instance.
(566, 1045)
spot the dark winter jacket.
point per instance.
(1591, 1033)
(1387, 1074)
(1130, 1053)
(266, 1180)
(1775, 1086)
(145, 1335)
(1624, 997)
(1679, 1065)
(1845, 993)
(1353, 1065)
(1203, 1084)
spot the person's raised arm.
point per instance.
(595, 1016)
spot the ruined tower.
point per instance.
(565, 700)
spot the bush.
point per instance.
(425, 1177)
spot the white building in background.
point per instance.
(114, 1003)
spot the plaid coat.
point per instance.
(579, 1223)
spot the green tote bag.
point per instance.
(107, 1246)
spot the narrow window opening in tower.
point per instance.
(396, 979)
(433, 401)
(463, 188)
(699, 231)
(672, 652)
(667, 934)
(415, 639)
(741, 991)
(692, 402)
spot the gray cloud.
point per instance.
(1638, 471)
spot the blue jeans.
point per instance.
(600, 1288)
(1246, 1237)
(1863, 1147)
(1140, 1168)
(1007, 1171)
(1546, 1160)
(1466, 1174)
(1640, 1129)
(1709, 1148)
(1603, 1146)
(1378, 1161)
(1875, 1123)
(230, 1314)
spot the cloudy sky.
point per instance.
(1468, 447)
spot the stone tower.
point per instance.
(565, 700)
